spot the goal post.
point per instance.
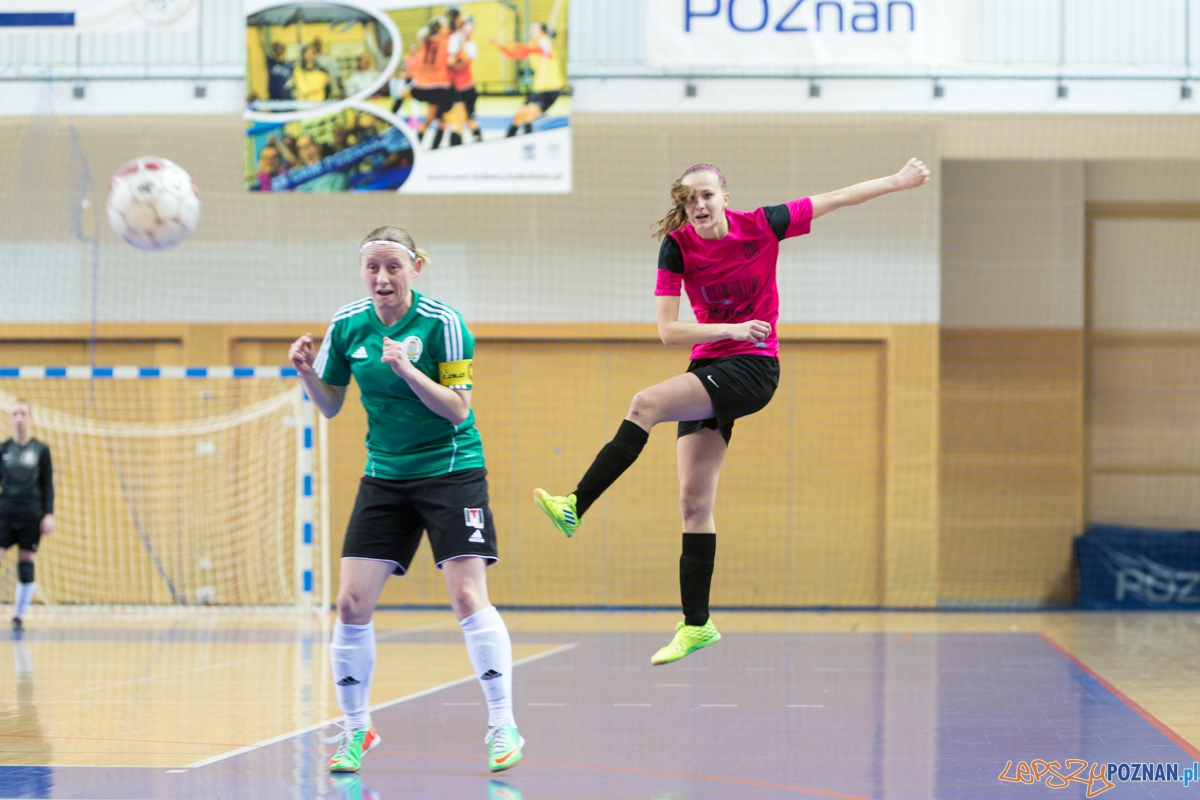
(188, 486)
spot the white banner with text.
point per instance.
(725, 33)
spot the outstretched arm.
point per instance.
(910, 176)
(516, 51)
(672, 331)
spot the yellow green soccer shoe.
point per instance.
(504, 748)
(688, 639)
(560, 510)
(353, 744)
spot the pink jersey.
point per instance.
(732, 280)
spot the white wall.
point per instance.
(1012, 244)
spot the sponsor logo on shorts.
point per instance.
(474, 517)
(348, 681)
(490, 675)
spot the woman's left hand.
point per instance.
(394, 356)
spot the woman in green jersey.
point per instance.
(411, 357)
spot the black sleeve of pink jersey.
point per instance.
(46, 481)
(779, 218)
(670, 257)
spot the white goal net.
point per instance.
(174, 486)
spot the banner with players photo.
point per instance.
(397, 95)
(732, 33)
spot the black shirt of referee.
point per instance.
(26, 481)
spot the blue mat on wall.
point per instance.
(1138, 568)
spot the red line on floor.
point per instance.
(1182, 743)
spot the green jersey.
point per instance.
(405, 440)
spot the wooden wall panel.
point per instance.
(804, 508)
(1011, 465)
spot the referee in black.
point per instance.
(26, 502)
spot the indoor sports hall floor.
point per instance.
(820, 704)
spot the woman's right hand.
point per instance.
(753, 331)
(302, 354)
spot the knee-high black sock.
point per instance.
(613, 459)
(437, 139)
(527, 127)
(455, 138)
(695, 575)
(478, 134)
(512, 130)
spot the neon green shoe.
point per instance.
(504, 748)
(688, 639)
(560, 510)
(353, 744)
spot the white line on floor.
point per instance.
(381, 706)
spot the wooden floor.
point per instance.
(178, 690)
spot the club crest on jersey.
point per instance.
(29, 458)
(413, 347)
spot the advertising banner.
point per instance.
(395, 95)
(730, 33)
(99, 16)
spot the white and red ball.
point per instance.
(152, 203)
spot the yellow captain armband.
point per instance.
(455, 373)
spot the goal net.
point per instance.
(185, 486)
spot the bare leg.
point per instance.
(699, 456)
(466, 581)
(361, 584)
(680, 398)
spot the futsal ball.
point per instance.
(152, 203)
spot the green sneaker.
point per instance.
(353, 744)
(688, 639)
(504, 748)
(560, 510)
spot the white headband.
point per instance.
(411, 254)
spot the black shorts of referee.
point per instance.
(543, 100)
(738, 387)
(389, 517)
(442, 97)
(23, 530)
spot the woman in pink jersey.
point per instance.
(726, 260)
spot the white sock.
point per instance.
(352, 654)
(24, 598)
(490, 651)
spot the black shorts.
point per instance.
(543, 100)
(389, 516)
(738, 386)
(442, 98)
(23, 531)
(467, 97)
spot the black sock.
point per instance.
(529, 127)
(478, 134)
(437, 139)
(455, 138)
(613, 459)
(695, 575)
(512, 130)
